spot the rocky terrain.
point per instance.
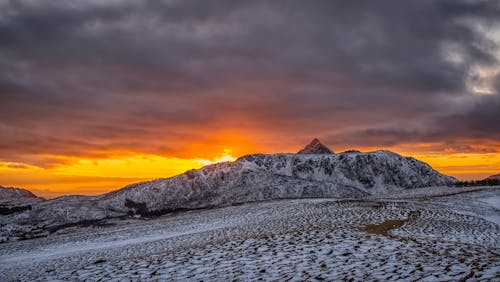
(315, 172)
(315, 147)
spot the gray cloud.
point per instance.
(80, 76)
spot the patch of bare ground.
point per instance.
(385, 227)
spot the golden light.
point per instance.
(464, 166)
(92, 176)
(225, 157)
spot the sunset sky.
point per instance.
(95, 95)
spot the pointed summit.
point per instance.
(315, 147)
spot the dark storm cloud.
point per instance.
(481, 121)
(478, 123)
(77, 76)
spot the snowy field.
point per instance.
(430, 234)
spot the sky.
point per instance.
(95, 95)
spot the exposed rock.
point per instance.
(315, 147)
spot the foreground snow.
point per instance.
(445, 234)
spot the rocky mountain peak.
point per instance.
(315, 147)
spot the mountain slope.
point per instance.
(263, 177)
(15, 200)
(493, 177)
(9, 193)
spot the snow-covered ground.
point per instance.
(494, 203)
(442, 234)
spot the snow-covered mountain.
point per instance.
(257, 177)
(15, 200)
(10, 193)
(16, 197)
(262, 177)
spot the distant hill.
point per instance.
(10, 193)
(495, 177)
(493, 180)
(14, 200)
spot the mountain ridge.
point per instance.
(255, 177)
(9, 193)
(271, 176)
(17, 197)
(493, 177)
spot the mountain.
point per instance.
(257, 177)
(15, 200)
(493, 177)
(9, 194)
(315, 147)
(263, 177)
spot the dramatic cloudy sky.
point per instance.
(96, 94)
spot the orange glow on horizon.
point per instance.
(225, 157)
(96, 176)
(464, 166)
(92, 176)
